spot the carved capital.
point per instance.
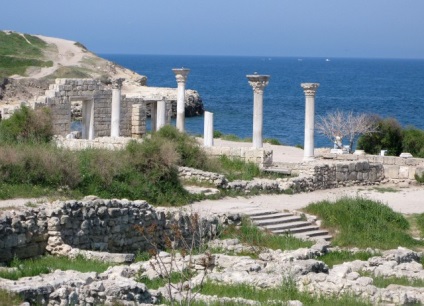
(258, 82)
(117, 83)
(310, 89)
(181, 74)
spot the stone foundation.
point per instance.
(92, 224)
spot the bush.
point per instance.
(27, 126)
(191, 154)
(388, 136)
(413, 141)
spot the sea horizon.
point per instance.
(385, 87)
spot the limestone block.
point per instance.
(391, 172)
(403, 172)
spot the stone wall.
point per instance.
(93, 224)
(311, 177)
(110, 143)
(395, 168)
(261, 157)
(338, 174)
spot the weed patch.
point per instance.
(47, 264)
(383, 282)
(335, 258)
(363, 223)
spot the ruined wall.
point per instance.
(60, 95)
(395, 168)
(90, 224)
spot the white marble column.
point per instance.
(310, 90)
(208, 130)
(116, 107)
(181, 76)
(258, 83)
(161, 114)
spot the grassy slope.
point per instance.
(16, 54)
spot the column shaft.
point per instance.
(161, 114)
(257, 120)
(258, 83)
(116, 108)
(181, 107)
(308, 148)
(208, 130)
(181, 77)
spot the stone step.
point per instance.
(296, 230)
(276, 221)
(256, 213)
(317, 234)
(286, 226)
(271, 216)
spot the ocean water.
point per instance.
(386, 87)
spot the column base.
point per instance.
(308, 158)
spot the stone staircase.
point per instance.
(282, 223)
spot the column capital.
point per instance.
(181, 74)
(258, 82)
(117, 83)
(310, 88)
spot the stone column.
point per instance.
(258, 82)
(161, 114)
(208, 130)
(181, 76)
(116, 107)
(310, 90)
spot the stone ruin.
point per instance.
(96, 100)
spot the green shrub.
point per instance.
(27, 126)
(217, 134)
(363, 223)
(388, 136)
(273, 141)
(413, 141)
(191, 153)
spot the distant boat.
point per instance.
(327, 60)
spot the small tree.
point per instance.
(387, 135)
(340, 125)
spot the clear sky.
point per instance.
(300, 28)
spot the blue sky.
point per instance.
(300, 28)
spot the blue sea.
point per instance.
(386, 87)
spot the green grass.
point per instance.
(335, 258)
(253, 236)
(360, 222)
(9, 299)
(383, 282)
(287, 291)
(420, 223)
(175, 277)
(386, 189)
(16, 54)
(47, 264)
